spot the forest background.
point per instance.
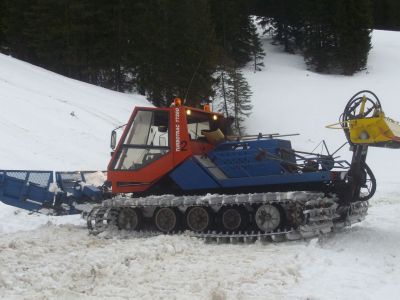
(190, 49)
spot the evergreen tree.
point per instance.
(284, 20)
(386, 14)
(233, 93)
(2, 12)
(235, 31)
(238, 95)
(257, 51)
(353, 35)
(333, 36)
(43, 33)
(85, 40)
(89, 32)
(109, 23)
(121, 16)
(319, 39)
(337, 36)
(220, 88)
(15, 26)
(174, 52)
(160, 48)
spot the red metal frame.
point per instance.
(181, 148)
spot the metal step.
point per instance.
(210, 166)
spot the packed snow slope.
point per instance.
(50, 122)
(45, 257)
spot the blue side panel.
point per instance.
(26, 189)
(190, 176)
(251, 158)
(286, 178)
(244, 164)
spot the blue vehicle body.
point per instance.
(258, 162)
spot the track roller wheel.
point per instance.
(234, 218)
(167, 219)
(268, 217)
(129, 219)
(199, 218)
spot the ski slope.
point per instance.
(44, 257)
(50, 122)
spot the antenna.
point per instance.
(191, 80)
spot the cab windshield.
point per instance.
(199, 122)
(147, 140)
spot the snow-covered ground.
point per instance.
(45, 257)
(51, 122)
(63, 262)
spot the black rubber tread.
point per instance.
(316, 207)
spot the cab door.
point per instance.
(154, 141)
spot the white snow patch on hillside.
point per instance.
(51, 122)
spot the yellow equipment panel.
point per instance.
(377, 131)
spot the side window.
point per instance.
(139, 131)
(146, 141)
(196, 128)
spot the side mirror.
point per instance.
(113, 141)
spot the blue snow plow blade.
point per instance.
(26, 189)
(69, 193)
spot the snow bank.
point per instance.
(64, 262)
(13, 220)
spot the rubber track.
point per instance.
(320, 213)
